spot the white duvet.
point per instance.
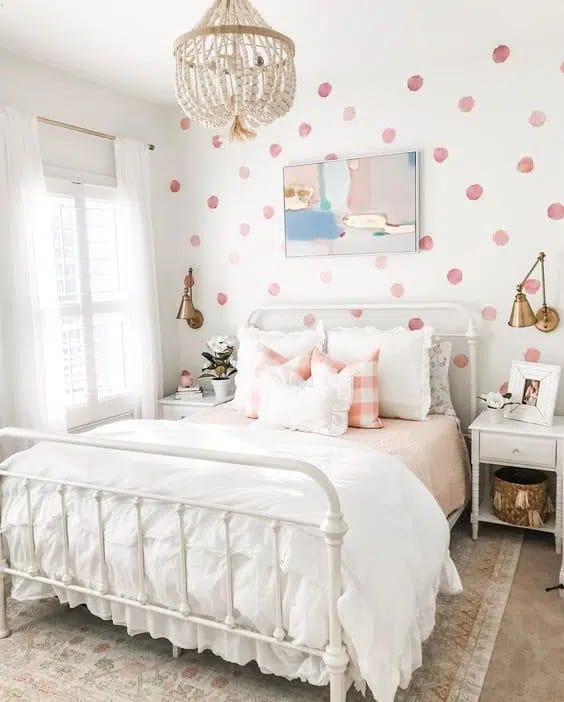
(395, 556)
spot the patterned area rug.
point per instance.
(69, 655)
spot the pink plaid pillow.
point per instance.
(268, 358)
(365, 404)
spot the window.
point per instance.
(90, 285)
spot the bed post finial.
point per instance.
(4, 631)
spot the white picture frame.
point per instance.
(534, 387)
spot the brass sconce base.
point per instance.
(196, 321)
(547, 319)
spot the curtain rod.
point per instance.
(82, 130)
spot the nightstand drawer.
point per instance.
(176, 412)
(518, 449)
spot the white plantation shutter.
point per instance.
(92, 300)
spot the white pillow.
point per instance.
(313, 406)
(403, 369)
(289, 344)
(441, 402)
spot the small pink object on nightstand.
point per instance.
(186, 380)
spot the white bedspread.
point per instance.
(395, 554)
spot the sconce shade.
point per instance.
(186, 310)
(522, 314)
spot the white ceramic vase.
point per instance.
(495, 416)
(222, 387)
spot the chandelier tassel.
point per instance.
(238, 131)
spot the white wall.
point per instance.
(367, 53)
(60, 96)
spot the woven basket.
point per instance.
(519, 497)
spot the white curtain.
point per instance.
(136, 231)
(31, 362)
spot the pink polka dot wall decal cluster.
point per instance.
(274, 289)
(525, 165)
(504, 387)
(326, 276)
(397, 290)
(222, 298)
(556, 210)
(454, 276)
(474, 191)
(349, 113)
(195, 240)
(185, 123)
(461, 360)
(415, 323)
(244, 172)
(233, 257)
(440, 154)
(426, 243)
(532, 355)
(244, 229)
(531, 286)
(268, 211)
(489, 314)
(217, 141)
(174, 186)
(275, 150)
(466, 103)
(537, 118)
(213, 202)
(381, 262)
(356, 313)
(501, 53)
(388, 135)
(309, 320)
(500, 237)
(415, 83)
(324, 90)
(304, 129)
(331, 157)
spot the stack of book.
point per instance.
(188, 393)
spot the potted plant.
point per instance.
(495, 403)
(219, 365)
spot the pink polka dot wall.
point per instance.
(485, 117)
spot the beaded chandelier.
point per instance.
(233, 68)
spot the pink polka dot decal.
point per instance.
(474, 192)
(244, 229)
(217, 141)
(532, 355)
(415, 83)
(274, 289)
(415, 323)
(185, 123)
(331, 157)
(489, 313)
(525, 165)
(556, 210)
(324, 90)
(426, 243)
(397, 290)
(562, 67)
(466, 103)
(501, 53)
(244, 172)
(504, 387)
(349, 113)
(222, 298)
(381, 262)
(440, 154)
(326, 276)
(304, 129)
(531, 286)
(268, 211)
(500, 237)
(461, 360)
(174, 186)
(356, 313)
(233, 257)
(276, 150)
(309, 320)
(537, 118)
(388, 135)
(195, 240)
(213, 202)
(454, 276)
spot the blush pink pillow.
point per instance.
(365, 403)
(268, 358)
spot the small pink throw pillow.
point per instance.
(301, 365)
(365, 403)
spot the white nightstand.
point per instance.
(180, 409)
(513, 443)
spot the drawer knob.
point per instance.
(515, 451)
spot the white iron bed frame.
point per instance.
(333, 527)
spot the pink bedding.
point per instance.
(432, 449)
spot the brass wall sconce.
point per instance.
(194, 318)
(546, 318)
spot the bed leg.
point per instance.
(176, 651)
(337, 687)
(4, 631)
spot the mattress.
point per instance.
(434, 449)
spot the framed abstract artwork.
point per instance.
(534, 387)
(354, 206)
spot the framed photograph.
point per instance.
(533, 386)
(355, 206)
